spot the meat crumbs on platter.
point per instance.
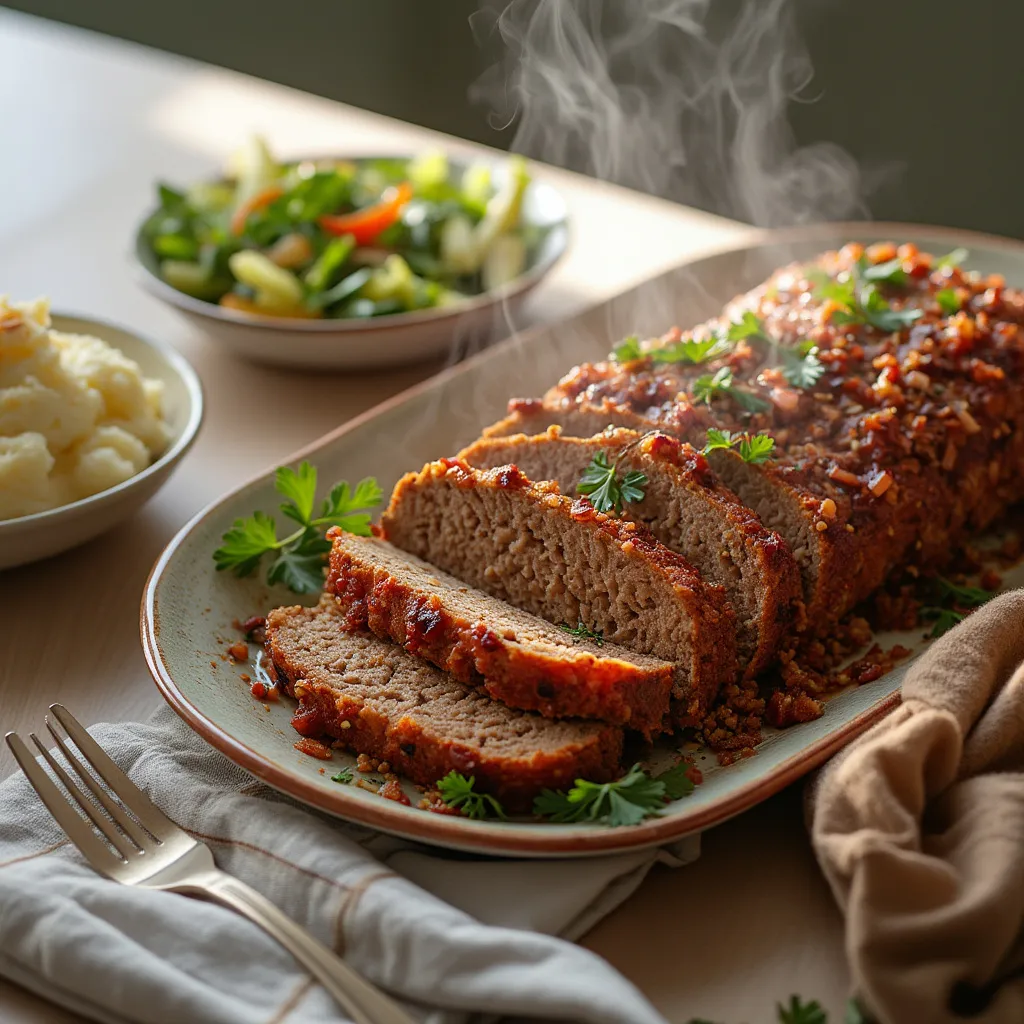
(702, 536)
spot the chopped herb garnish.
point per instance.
(949, 301)
(344, 776)
(748, 326)
(627, 350)
(951, 598)
(676, 780)
(860, 298)
(801, 366)
(890, 272)
(708, 387)
(601, 484)
(298, 559)
(951, 259)
(583, 632)
(799, 1012)
(753, 448)
(457, 791)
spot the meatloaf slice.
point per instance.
(547, 554)
(688, 509)
(516, 657)
(382, 701)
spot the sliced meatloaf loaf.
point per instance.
(688, 509)
(561, 560)
(890, 383)
(516, 657)
(380, 700)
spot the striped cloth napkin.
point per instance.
(455, 937)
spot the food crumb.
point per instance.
(239, 651)
(245, 677)
(314, 748)
(392, 790)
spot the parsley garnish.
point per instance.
(625, 802)
(951, 259)
(583, 632)
(627, 350)
(951, 597)
(860, 298)
(692, 350)
(689, 351)
(344, 776)
(799, 1012)
(949, 301)
(457, 791)
(601, 484)
(298, 558)
(754, 448)
(707, 387)
(801, 366)
(890, 272)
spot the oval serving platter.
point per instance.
(188, 609)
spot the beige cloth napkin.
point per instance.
(919, 828)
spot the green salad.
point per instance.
(342, 239)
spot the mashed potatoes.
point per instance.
(76, 415)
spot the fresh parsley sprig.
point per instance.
(583, 632)
(627, 801)
(801, 366)
(723, 384)
(298, 558)
(860, 298)
(692, 350)
(949, 301)
(457, 791)
(753, 448)
(951, 600)
(344, 776)
(601, 484)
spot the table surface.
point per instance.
(89, 124)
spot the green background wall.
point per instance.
(932, 88)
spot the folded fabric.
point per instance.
(450, 934)
(919, 828)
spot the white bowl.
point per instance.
(379, 341)
(29, 538)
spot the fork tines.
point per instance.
(144, 828)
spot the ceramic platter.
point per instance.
(188, 609)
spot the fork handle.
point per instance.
(365, 1003)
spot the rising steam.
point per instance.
(669, 96)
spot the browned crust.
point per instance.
(569, 684)
(778, 579)
(713, 639)
(326, 710)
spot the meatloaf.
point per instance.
(688, 509)
(516, 657)
(890, 382)
(560, 559)
(382, 701)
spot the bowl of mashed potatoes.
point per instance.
(93, 419)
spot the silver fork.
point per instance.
(150, 851)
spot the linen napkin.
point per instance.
(919, 828)
(453, 936)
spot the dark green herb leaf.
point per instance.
(949, 301)
(802, 369)
(748, 326)
(854, 1014)
(298, 558)
(601, 484)
(689, 351)
(799, 1012)
(967, 597)
(627, 350)
(457, 791)
(583, 632)
(753, 448)
(707, 387)
(676, 781)
(344, 776)
(321, 274)
(719, 439)
(890, 272)
(625, 802)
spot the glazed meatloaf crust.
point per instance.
(688, 509)
(899, 437)
(563, 561)
(381, 701)
(516, 657)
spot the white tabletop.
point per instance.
(88, 125)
